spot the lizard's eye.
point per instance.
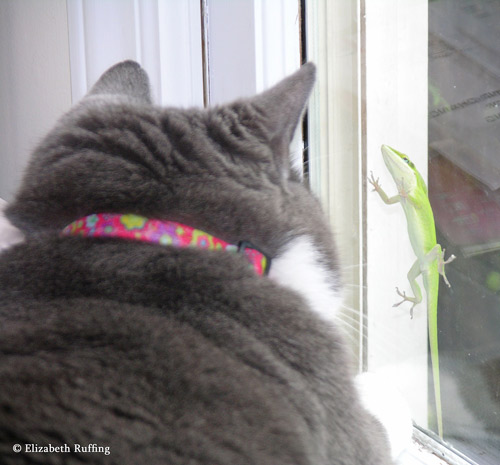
(406, 160)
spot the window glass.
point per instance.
(422, 76)
(464, 187)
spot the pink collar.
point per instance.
(138, 228)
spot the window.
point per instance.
(464, 185)
(424, 77)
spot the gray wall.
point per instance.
(34, 80)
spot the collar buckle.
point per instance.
(247, 248)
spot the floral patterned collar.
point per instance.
(139, 228)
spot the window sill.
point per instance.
(425, 450)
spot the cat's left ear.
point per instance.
(126, 79)
(283, 106)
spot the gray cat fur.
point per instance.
(166, 355)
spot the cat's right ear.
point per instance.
(282, 108)
(127, 79)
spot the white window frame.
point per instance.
(54, 51)
(352, 113)
(165, 36)
(396, 37)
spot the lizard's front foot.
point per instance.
(374, 182)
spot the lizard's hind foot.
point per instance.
(413, 300)
(441, 264)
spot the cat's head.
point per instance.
(226, 170)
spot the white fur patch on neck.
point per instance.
(299, 268)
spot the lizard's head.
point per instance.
(403, 170)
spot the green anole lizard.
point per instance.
(413, 197)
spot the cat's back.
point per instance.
(165, 363)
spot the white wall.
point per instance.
(34, 80)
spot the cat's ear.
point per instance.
(126, 78)
(283, 106)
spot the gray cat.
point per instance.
(140, 349)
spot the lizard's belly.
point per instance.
(421, 231)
